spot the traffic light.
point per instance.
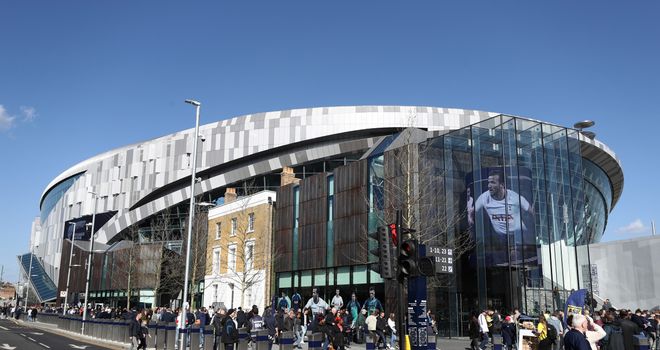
(383, 251)
(411, 264)
(408, 258)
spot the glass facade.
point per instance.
(515, 199)
(522, 193)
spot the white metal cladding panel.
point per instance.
(237, 137)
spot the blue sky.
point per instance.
(78, 78)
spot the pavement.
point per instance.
(39, 335)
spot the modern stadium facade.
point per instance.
(519, 200)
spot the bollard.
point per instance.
(432, 340)
(369, 342)
(497, 342)
(286, 340)
(153, 332)
(194, 336)
(242, 339)
(161, 333)
(170, 338)
(260, 339)
(640, 342)
(209, 337)
(316, 340)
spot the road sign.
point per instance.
(443, 258)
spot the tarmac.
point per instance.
(459, 343)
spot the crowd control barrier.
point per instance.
(640, 342)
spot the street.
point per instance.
(22, 336)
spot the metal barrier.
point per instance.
(209, 337)
(369, 342)
(432, 341)
(640, 342)
(243, 339)
(260, 339)
(316, 339)
(116, 330)
(497, 342)
(126, 332)
(170, 340)
(193, 335)
(161, 334)
(153, 331)
(286, 340)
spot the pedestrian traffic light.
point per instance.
(408, 258)
(426, 266)
(383, 251)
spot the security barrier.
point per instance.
(640, 342)
(208, 337)
(242, 339)
(370, 345)
(260, 339)
(194, 336)
(171, 336)
(161, 334)
(432, 341)
(286, 340)
(497, 342)
(315, 341)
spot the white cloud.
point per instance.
(636, 226)
(6, 120)
(29, 113)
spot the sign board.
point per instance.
(63, 294)
(443, 258)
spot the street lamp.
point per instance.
(581, 125)
(89, 263)
(27, 295)
(68, 274)
(191, 214)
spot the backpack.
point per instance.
(552, 333)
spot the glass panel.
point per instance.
(374, 277)
(331, 277)
(306, 279)
(319, 278)
(343, 276)
(360, 274)
(296, 215)
(284, 280)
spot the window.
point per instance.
(249, 255)
(215, 293)
(218, 230)
(233, 226)
(250, 227)
(216, 261)
(231, 257)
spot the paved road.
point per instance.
(24, 337)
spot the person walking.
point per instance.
(596, 335)
(135, 331)
(474, 332)
(230, 335)
(483, 329)
(392, 330)
(542, 333)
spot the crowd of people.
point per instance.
(607, 329)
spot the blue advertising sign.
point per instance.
(575, 303)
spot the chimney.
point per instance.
(288, 177)
(230, 195)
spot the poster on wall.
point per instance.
(504, 217)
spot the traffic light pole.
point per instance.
(401, 305)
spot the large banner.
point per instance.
(500, 209)
(575, 303)
(83, 232)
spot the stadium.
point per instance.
(556, 185)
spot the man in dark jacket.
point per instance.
(576, 339)
(269, 322)
(230, 335)
(629, 329)
(135, 331)
(381, 326)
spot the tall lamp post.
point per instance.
(191, 214)
(68, 274)
(89, 263)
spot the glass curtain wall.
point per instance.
(517, 188)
